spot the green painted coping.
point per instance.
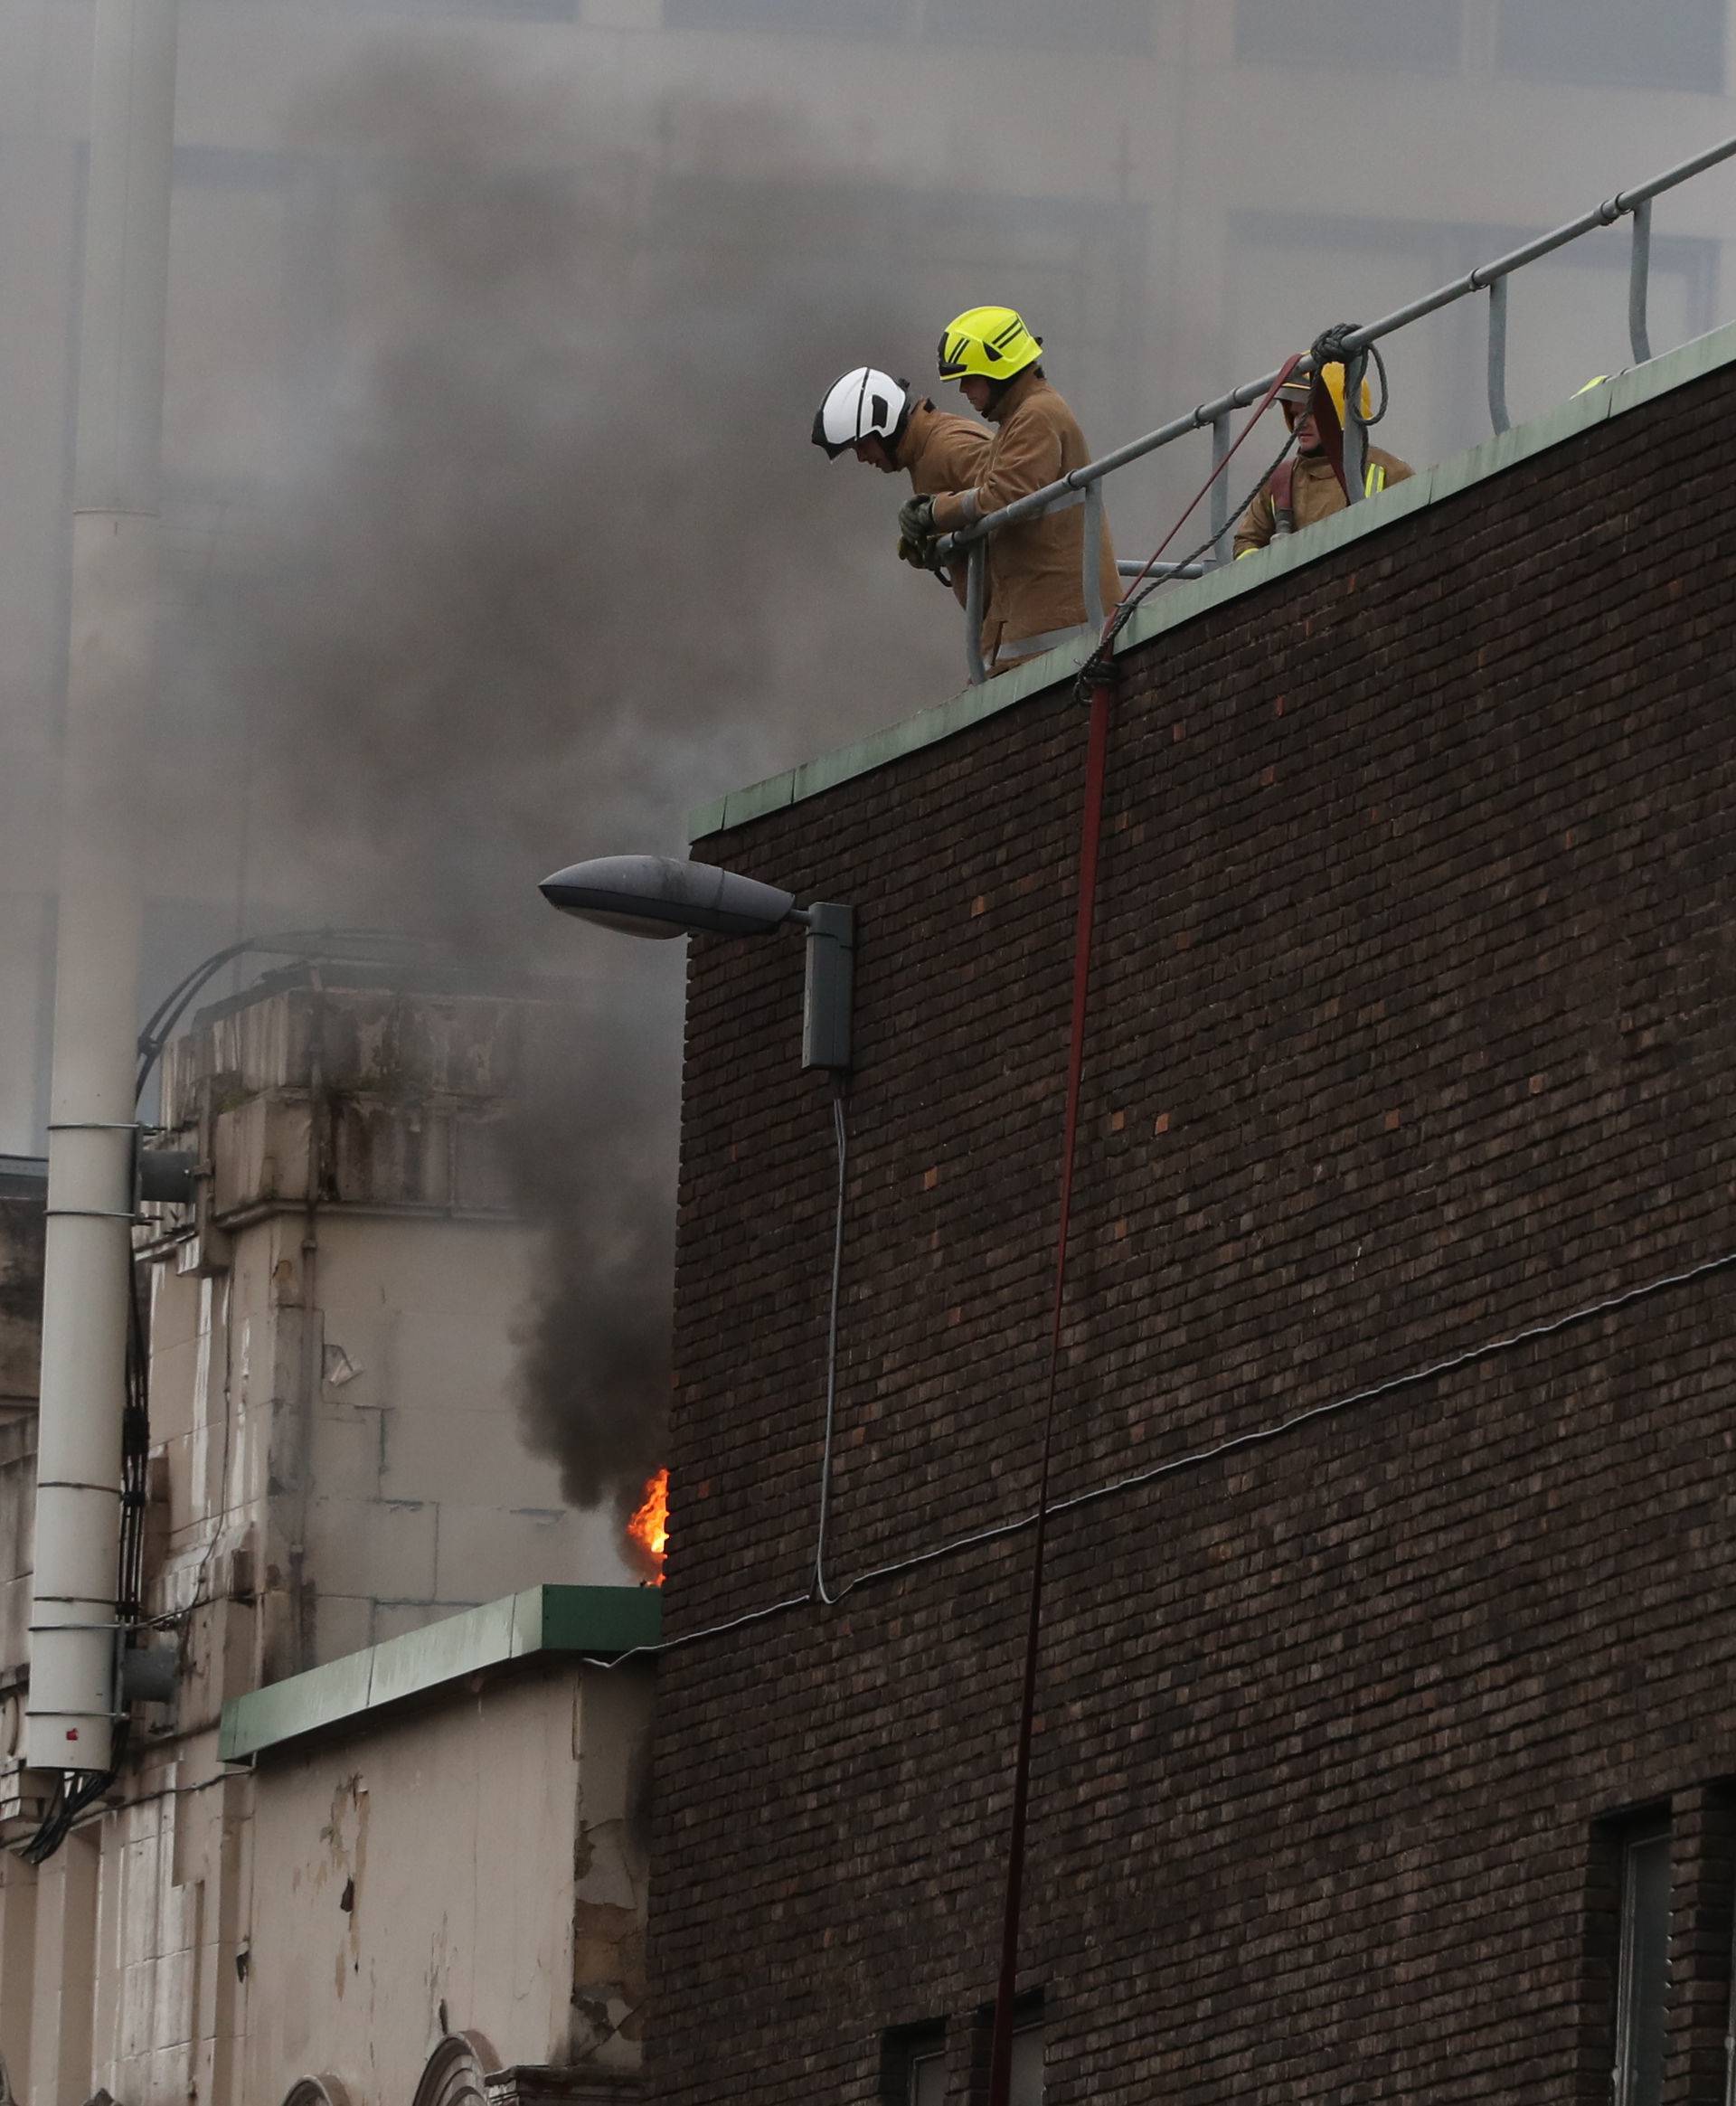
(599, 1620)
(1179, 603)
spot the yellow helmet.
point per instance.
(992, 342)
(1301, 390)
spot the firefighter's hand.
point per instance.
(916, 521)
(918, 554)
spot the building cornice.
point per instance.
(583, 1622)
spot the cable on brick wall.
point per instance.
(1197, 1458)
(840, 1135)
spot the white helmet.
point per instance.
(866, 403)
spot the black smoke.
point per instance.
(553, 562)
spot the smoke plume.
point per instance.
(554, 561)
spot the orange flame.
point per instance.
(649, 1526)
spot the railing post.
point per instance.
(1220, 491)
(1498, 417)
(976, 582)
(1355, 435)
(1094, 554)
(1640, 281)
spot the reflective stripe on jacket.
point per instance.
(1036, 569)
(1314, 495)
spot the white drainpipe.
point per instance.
(111, 680)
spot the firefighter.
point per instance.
(1306, 489)
(870, 414)
(1036, 587)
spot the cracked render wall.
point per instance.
(1411, 1027)
(333, 1323)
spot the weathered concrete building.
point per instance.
(351, 1278)
(389, 1831)
(1388, 1751)
(465, 1808)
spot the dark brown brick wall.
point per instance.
(1412, 1026)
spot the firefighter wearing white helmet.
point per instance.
(869, 413)
(1307, 488)
(1036, 583)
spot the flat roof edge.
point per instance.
(1181, 603)
(547, 1620)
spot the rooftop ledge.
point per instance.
(596, 1621)
(1186, 601)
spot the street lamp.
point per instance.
(660, 897)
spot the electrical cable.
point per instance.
(1328, 349)
(1126, 606)
(1143, 585)
(1270, 396)
(840, 1136)
(1197, 1458)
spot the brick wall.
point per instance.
(1412, 1027)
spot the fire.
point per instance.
(649, 1526)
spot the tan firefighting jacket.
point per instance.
(1036, 586)
(1315, 495)
(942, 452)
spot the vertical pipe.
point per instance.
(110, 681)
(1498, 417)
(1094, 555)
(976, 588)
(1221, 549)
(1640, 276)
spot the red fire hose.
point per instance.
(1000, 2075)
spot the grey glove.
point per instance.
(916, 520)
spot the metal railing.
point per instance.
(1216, 415)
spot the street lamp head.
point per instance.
(655, 895)
(660, 896)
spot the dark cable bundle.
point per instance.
(135, 1462)
(1328, 349)
(74, 1795)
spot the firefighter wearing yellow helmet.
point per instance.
(1305, 489)
(1036, 587)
